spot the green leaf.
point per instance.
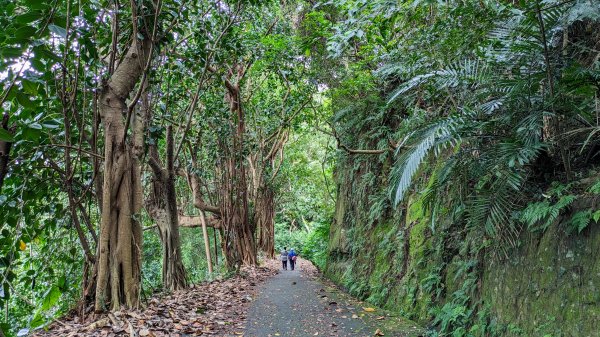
(6, 136)
(30, 87)
(51, 297)
(11, 52)
(37, 320)
(596, 215)
(36, 4)
(24, 33)
(25, 100)
(31, 134)
(50, 125)
(28, 17)
(36, 126)
(5, 328)
(580, 220)
(58, 30)
(595, 188)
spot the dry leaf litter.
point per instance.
(216, 308)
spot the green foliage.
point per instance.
(436, 136)
(580, 220)
(311, 244)
(595, 189)
(483, 103)
(540, 215)
(305, 206)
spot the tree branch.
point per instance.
(353, 151)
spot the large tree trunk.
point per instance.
(162, 206)
(238, 236)
(264, 218)
(262, 192)
(120, 240)
(239, 243)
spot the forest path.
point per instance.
(300, 303)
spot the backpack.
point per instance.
(294, 258)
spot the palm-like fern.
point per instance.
(437, 136)
(504, 105)
(469, 73)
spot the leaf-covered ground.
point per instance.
(216, 308)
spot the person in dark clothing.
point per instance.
(284, 258)
(292, 258)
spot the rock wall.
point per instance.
(448, 276)
(551, 284)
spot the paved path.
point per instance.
(294, 304)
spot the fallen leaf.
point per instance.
(368, 309)
(379, 333)
(216, 308)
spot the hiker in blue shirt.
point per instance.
(292, 258)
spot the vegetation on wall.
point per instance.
(461, 125)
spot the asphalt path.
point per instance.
(293, 303)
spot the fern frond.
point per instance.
(409, 85)
(492, 211)
(466, 72)
(410, 162)
(434, 136)
(580, 10)
(490, 106)
(540, 215)
(580, 220)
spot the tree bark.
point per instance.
(120, 240)
(206, 242)
(238, 231)
(264, 217)
(162, 206)
(196, 221)
(263, 170)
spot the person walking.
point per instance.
(292, 258)
(284, 257)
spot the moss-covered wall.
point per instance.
(368, 251)
(551, 284)
(547, 286)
